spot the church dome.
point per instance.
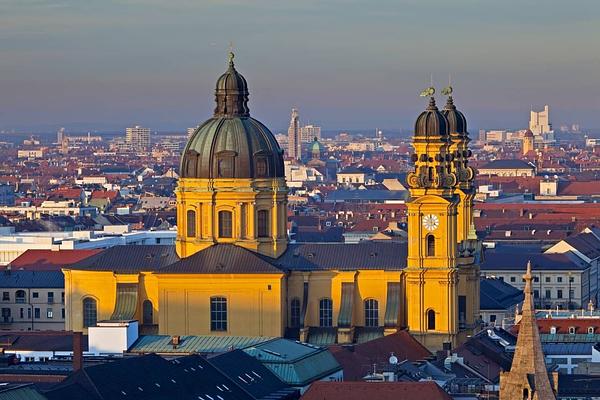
(431, 123)
(232, 144)
(457, 123)
(316, 146)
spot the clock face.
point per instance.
(431, 222)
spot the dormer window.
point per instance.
(226, 164)
(571, 330)
(261, 167)
(591, 330)
(553, 330)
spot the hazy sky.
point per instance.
(346, 64)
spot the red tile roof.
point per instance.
(562, 325)
(50, 260)
(375, 391)
(105, 194)
(358, 361)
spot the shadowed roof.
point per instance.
(222, 259)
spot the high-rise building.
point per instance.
(294, 136)
(137, 138)
(190, 131)
(308, 133)
(539, 122)
(60, 135)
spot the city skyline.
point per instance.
(347, 65)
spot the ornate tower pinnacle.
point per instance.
(528, 377)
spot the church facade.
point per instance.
(233, 271)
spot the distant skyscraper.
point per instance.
(308, 133)
(60, 135)
(137, 138)
(190, 131)
(294, 138)
(539, 122)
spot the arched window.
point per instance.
(371, 312)
(295, 313)
(525, 394)
(20, 296)
(191, 223)
(263, 223)
(218, 314)
(430, 246)
(90, 312)
(431, 320)
(147, 311)
(325, 313)
(225, 224)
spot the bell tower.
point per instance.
(431, 273)
(469, 248)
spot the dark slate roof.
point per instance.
(586, 243)
(495, 294)
(201, 377)
(129, 258)
(365, 195)
(356, 170)
(222, 259)
(250, 374)
(517, 261)
(231, 259)
(31, 279)
(149, 377)
(39, 341)
(341, 256)
(578, 386)
(507, 164)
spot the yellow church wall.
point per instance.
(444, 234)
(254, 304)
(244, 198)
(102, 287)
(369, 284)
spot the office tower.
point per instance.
(539, 122)
(138, 138)
(308, 133)
(294, 138)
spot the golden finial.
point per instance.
(231, 55)
(430, 91)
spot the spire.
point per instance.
(528, 377)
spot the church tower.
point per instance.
(431, 274)
(232, 183)
(469, 249)
(528, 377)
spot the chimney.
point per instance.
(522, 212)
(530, 215)
(77, 351)
(175, 340)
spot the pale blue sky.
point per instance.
(347, 64)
